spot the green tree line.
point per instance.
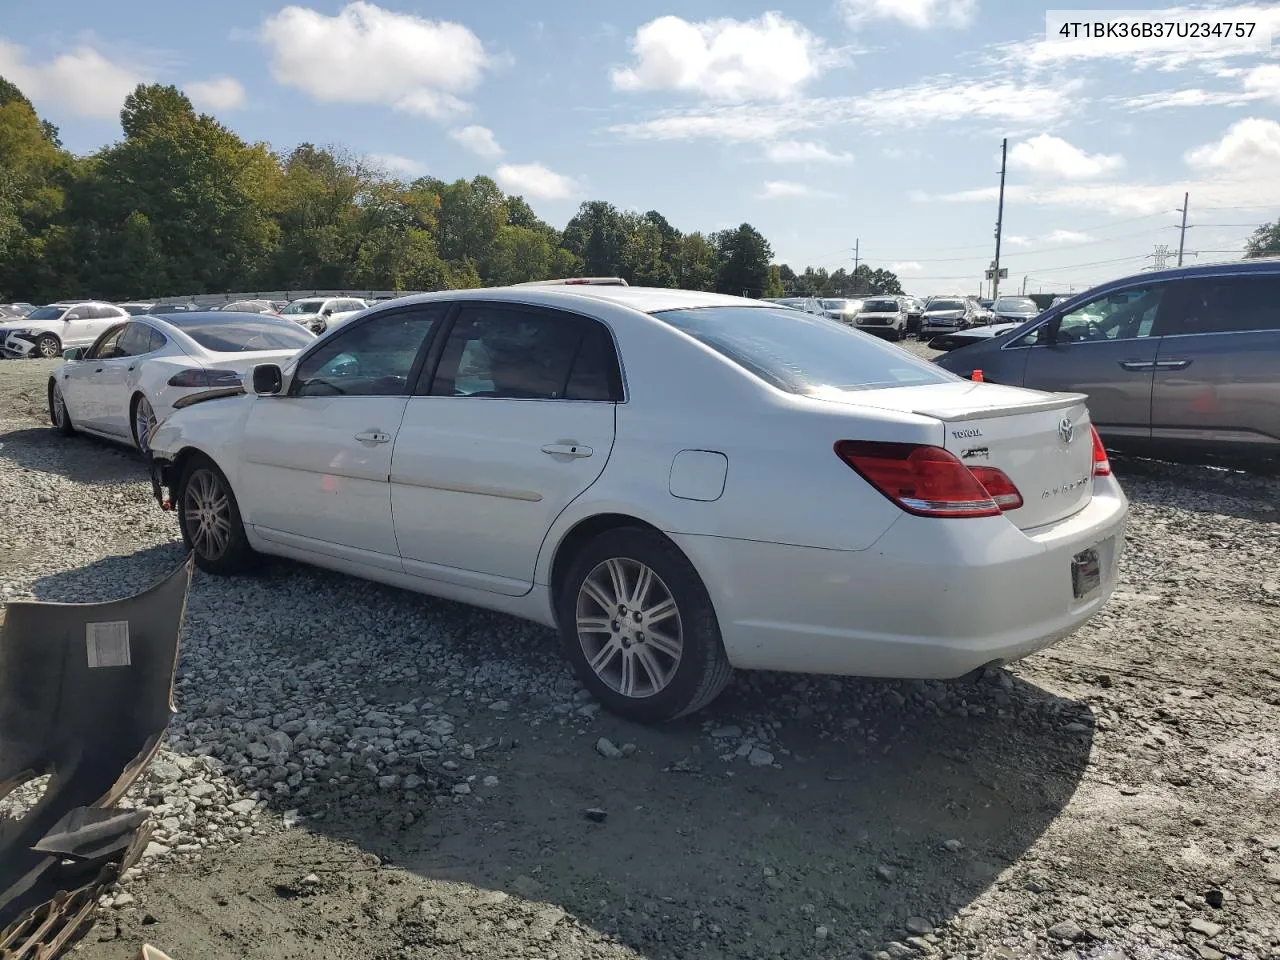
(182, 205)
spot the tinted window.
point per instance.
(240, 333)
(1231, 305)
(46, 313)
(880, 306)
(371, 359)
(1120, 315)
(1016, 305)
(594, 374)
(106, 346)
(944, 305)
(157, 340)
(802, 354)
(134, 342)
(500, 351)
(303, 307)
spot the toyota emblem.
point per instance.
(1066, 429)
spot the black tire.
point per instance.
(200, 486)
(59, 417)
(701, 670)
(48, 346)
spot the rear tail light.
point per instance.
(923, 480)
(1101, 465)
(998, 486)
(200, 377)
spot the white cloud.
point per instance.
(397, 165)
(943, 99)
(768, 58)
(804, 151)
(1264, 81)
(82, 81)
(217, 94)
(906, 267)
(479, 140)
(1250, 146)
(1046, 156)
(366, 54)
(775, 189)
(1066, 236)
(1140, 53)
(921, 14)
(535, 180)
(1191, 97)
(1013, 240)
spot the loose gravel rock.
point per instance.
(358, 771)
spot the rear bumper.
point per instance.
(931, 599)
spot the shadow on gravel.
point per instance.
(80, 458)
(1247, 495)
(884, 801)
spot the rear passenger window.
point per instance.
(157, 341)
(1232, 305)
(595, 374)
(509, 353)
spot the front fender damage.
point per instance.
(86, 693)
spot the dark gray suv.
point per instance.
(1182, 360)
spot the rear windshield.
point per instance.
(880, 306)
(802, 353)
(1017, 305)
(946, 305)
(303, 306)
(243, 333)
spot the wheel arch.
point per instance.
(578, 536)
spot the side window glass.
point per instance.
(1232, 305)
(134, 341)
(372, 359)
(594, 375)
(1121, 315)
(156, 341)
(105, 348)
(498, 351)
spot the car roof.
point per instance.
(643, 299)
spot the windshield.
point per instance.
(880, 306)
(240, 334)
(801, 353)
(835, 305)
(303, 306)
(946, 305)
(1016, 305)
(46, 313)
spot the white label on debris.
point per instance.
(108, 643)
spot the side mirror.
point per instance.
(268, 381)
(327, 312)
(71, 316)
(73, 353)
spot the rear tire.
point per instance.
(58, 415)
(638, 626)
(48, 346)
(209, 518)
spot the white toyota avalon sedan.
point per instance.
(681, 483)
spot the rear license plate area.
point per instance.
(1086, 573)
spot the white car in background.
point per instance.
(682, 482)
(136, 371)
(884, 316)
(47, 331)
(318, 314)
(844, 310)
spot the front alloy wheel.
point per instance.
(629, 628)
(144, 421)
(48, 347)
(210, 520)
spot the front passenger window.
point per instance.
(373, 359)
(1119, 315)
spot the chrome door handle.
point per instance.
(1173, 364)
(1138, 364)
(373, 436)
(566, 450)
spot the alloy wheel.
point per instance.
(144, 419)
(59, 407)
(48, 347)
(629, 627)
(206, 509)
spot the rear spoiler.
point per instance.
(1058, 401)
(217, 394)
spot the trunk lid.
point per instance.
(1040, 440)
(243, 363)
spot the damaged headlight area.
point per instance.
(86, 693)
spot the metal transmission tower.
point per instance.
(1162, 255)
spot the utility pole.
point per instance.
(856, 242)
(1024, 284)
(995, 276)
(1182, 236)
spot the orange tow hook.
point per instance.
(976, 376)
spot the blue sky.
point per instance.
(821, 122)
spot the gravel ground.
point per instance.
(356, 771)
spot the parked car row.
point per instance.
(892, 316)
